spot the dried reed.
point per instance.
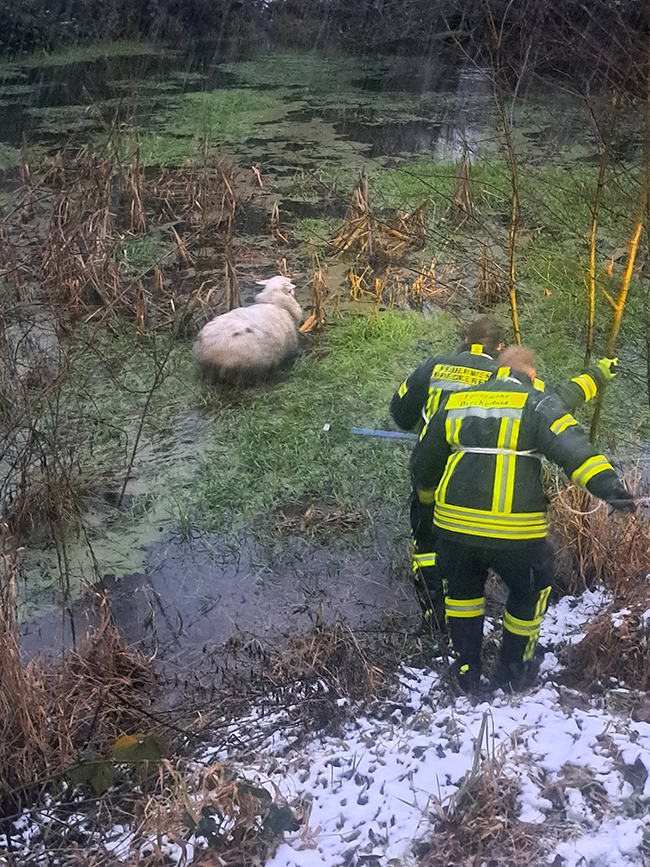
(603, 549)
(480, 825)
(50, 712)
(614, 553)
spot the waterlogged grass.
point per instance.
(318, 232)
(188, 123)
(9, 157)
(271, 448)
(138, 254)
(309, 70)
(86, 54)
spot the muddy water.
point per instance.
(193, 596)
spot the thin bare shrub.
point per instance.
(479, 824)
(612, 552)
(604, 549)
(616, 645)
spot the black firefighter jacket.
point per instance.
(418, 396)
(478, 462)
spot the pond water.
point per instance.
(294, 116)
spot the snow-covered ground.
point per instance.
(582, 770)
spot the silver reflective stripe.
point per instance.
(485, 412)
(527, 453)
(447, 385)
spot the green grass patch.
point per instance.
(271, 448)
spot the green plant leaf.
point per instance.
(99, 775)
(139, 748)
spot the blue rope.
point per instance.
(385, 434)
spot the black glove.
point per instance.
(624, 504)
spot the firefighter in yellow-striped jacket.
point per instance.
(416, 400)
(478, 462)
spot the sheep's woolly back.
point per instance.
(251, 341)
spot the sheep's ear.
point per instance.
(261, 282)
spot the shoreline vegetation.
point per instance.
(116, 247)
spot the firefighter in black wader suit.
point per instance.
(479, 463)
(416, 400)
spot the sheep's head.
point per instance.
(279, 282)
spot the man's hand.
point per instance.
(624, 504)
(608, 366)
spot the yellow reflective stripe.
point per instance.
(452, 427)
(498, 492)
(503, 371)
(511, 464)
(529, 629)
(432, 403)
(401, 391)
(465, 607)
(476, 522)
(521, 627)
(539, 384)
(427, 496)
(477, 349)
(444, 481)
(542, 602)
(587, 384)
(504, 476)
(521, 519)
(562, 424)
(422, 560)
(589, 469)
(487, 532)
(488, 399)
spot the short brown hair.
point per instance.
(483, 331)
(518, 358)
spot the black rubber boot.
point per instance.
(513, 673)
(467, 676)
(466, 635)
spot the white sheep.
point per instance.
(249, 342)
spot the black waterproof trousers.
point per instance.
(428, 580)
(525, 567)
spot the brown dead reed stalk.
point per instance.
(463, 209)
(135, 182)
(377, 241)
(51, 711)
(319, 293)
(76, 260)
(490, 289)
(427, 287)
(357, 232)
